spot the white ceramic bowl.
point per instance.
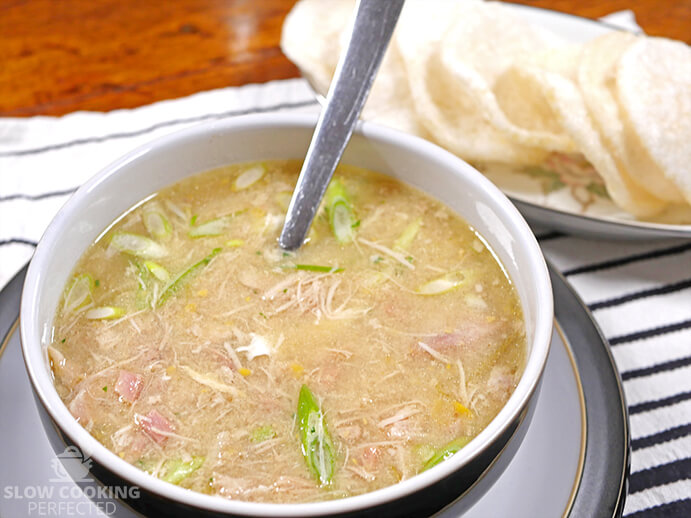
(156, 165)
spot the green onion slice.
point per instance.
(105, 313)
(338, 207)
(179, 281)
(283, 199)
(317, 446)
(78, 293)
(408, 235)
(214, 227)
(158, 271)
(157, 225)
(315, 268)
(249, 177)
(445, 452)
(176, 470)
(138, 246)
(443, 284)
(262, 433)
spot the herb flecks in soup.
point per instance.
(193, 347)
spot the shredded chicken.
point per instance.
(434, 354)
(403, 413)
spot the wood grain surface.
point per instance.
(59, 56)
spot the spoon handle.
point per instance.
(374, 24)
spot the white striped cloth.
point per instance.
(639, 292)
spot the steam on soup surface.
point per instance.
(189, 344)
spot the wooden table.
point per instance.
(58, 56)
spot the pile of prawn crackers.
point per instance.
(484, 83)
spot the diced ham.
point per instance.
(155, 425)
(129, 386)
(79, 409)
(365, 464)
(473, 342)
(472, 334)
(369, 459)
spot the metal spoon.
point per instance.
(374, 23)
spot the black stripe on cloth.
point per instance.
(660, 437)
(549, 236)
(664, 474)
(677, 508)
(653, 369)
(658, 403)
(17, 241)
(36, 197)
(649, 333)
(661, 290)
(187, 120)
(613, 263)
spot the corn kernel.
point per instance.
(170, 370)
(202, 293)
(244, 371)
(461, 409)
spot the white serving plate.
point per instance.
(559, 210)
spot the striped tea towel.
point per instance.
(639, 292)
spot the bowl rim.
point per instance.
(42, 384)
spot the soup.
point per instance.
(194, 348)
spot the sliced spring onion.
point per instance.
(315, 268)
(338, 207)
(138, 246)
(78, 293)
(146, 465)
(144, 280)
(174, 285)
(214, 227)
(424, 452)
(445, 452)
(105, 313)
(157, 225)
(283, 199)
(443, 284)
(176, 470)
(157, 270)
(249, 177)
(233, 243)
(408, 235)
(317, 446)
(262, 433)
